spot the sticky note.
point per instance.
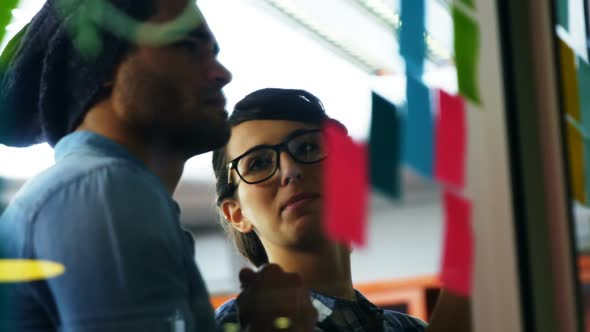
(586, 141)
(385, 147)
(2, 206)
(20, 270)
(468, 3)
(583, 80)
(412, 36)
(6, 7)
(569, 81)
(345, 188)
(458, 246)
(575, 150)
(466, 46)
(583, 84)
(418, 131)
(563, 13)
(451, 132)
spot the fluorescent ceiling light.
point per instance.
(386, 12)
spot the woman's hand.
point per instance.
(274, 300)
(451, 313)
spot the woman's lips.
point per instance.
(299, 201)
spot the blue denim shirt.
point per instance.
(129, 266)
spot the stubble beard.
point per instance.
(157, 111)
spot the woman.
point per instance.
(269, 187)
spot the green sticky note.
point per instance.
(6, 7)
(466, 45)
(468, 3)
(385, 148)
(563, 13)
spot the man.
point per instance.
(122, 124)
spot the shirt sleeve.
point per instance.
(396, 321)
(227, 316)
(122, 247)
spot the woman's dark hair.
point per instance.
(265, 104)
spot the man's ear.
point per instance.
(232, 212)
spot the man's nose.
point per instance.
(220, 75)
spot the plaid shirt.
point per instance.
(341, 315)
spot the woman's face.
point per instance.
(284, 210)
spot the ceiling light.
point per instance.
(287, 7)
(387, 14)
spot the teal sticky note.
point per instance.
(412, 36)
(6, 7)
(385, 147)
(562, 8)
(583, 76)
(418, 129)
(2, 188)
(466, 45)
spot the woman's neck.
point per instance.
(325, 270)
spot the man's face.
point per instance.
(172, 93)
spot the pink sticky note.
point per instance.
(457, 261)
(345, 188)
(449, 163)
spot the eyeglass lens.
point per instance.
(261, 164)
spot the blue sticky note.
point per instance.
(418, 145)
(412, 36)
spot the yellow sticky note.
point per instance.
(21, 270)
(569, 81)
(575, 144)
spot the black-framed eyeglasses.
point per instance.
(261, 162)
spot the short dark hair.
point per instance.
(264, 104)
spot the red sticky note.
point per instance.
(449, 162)
(457, 260)
(346, 188)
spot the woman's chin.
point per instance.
(306, 226)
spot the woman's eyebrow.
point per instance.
(292, 134)
(295, 133)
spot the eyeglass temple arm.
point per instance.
(229, 167)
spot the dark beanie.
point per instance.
(280, 104)
(46, 84)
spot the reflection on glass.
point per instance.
(572, 36)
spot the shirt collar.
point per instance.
(87, 142)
